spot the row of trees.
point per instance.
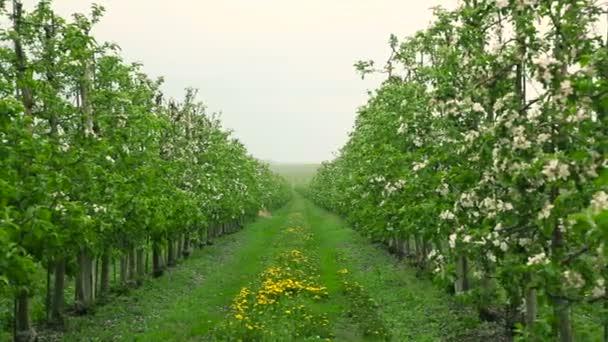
(96, 165)
(483, 158)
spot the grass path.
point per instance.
(371, 296)
(413, 309)
(191, 298)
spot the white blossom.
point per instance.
(555, 170)
(452, 241)
(491, 256)
(599, 202)
(502, 3)
(420, 165)
(544, 137)
(546, 211)
(538, 259)
(600, 288)
(574, 279)
(478, 107)
(447, 215)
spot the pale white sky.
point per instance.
(281, 71)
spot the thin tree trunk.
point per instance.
(96, 278)
(83, 285)
(561, 310)
(88, 284)
(157, 267)
(462, 280)
(147, 270)
(140, 265)
(186, 250)
(132, 269)
(23, 326)
(561, 305)
(47, 306)
(124, 272)
(58, 303)
(180, 246)
(170, 253)
(105, 274)
(531, 306)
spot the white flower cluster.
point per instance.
(519, 139)
(443, 189)
(502, 3)
(99, 209)
(574, 279)
(600, 288)
(538, 259)
(391, 188)
(447, 215)
(452, 240)
(417, 166)
(467, 199)
(599, 202)
(555, 170)
(545, 213)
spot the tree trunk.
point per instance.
(531, 306)
(104, 288)
(147, 270)
(462, 281)
(561, 306)
(58, 302)
(24, 332)
(140, 266)
(180, 246)
(124, 270)
(157, 267)
(47, 304)
(132, 270)
(186, 250)
(561, 310)
(170, 253)
(83, 282)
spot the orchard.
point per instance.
(97, 166)
(482, 158)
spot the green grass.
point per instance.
(189, 299)
(413, 309)
(196, 296)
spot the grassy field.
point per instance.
(299, 275)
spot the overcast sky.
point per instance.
(281, 71)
